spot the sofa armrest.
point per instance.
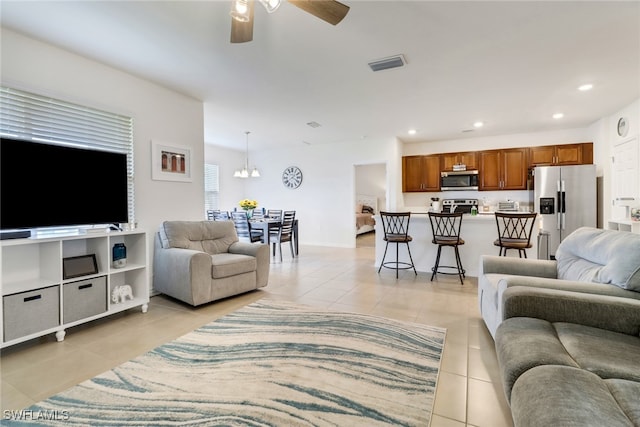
(599, 311)
(490, 264)
(261, 252)
(184, 274)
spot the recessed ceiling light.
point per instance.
(558, 116)
(585, 87)
(412, 131)
(478, 124)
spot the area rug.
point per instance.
(268, 364)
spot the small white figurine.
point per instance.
(120, 293)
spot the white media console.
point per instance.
(36, 298)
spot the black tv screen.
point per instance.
(45, 185)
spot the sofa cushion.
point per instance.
(627, 395)
(226, 265)
(523, 343)
(606, 353)
(603, 256)
(212, 237)
(565, 396)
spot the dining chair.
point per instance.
(222, 216)
(258, 214)
(275, 214)
(243, 228)
(284, 233)
(445, 228)
(211, 213)
(514, 232)
(396, 230)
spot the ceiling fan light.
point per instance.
(240, 10)
(271, 5)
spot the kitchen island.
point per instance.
(478, 232)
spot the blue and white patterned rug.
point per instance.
(268, 364)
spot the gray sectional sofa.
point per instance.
(590, 260)
(567, 332)
(570, 358)
(202, 261)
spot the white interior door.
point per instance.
(626, 177)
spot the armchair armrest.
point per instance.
(261, 252)
(490, 264)
(181, 273)
(599, 311)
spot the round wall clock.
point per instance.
(623, 126)
(292, 177)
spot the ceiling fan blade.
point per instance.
(242, 32)
(328, 10)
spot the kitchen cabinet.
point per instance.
(420, 173)
(561, 155)
(448, 160)
(503, 169)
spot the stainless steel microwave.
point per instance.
(459, 180)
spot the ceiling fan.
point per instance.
(241, 13)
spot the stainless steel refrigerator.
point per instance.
(565, 198)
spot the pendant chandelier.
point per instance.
(244, 172)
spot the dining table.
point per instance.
(271, 225)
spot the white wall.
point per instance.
(158, 113)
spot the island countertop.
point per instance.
(478, 231)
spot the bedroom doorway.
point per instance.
(370, 189)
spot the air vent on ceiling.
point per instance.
(313, 124)
(387, 63)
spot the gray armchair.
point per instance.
(203, 261)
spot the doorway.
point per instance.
(370, 181)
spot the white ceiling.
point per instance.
(511, 64)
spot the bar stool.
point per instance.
(446, 232)
(396, 230)
(514, 232)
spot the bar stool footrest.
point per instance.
(453, 267)
(396, 265)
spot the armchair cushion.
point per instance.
(198, 236)
(601, 256)
(226, 265)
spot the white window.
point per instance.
(29, 116)
(211, 187)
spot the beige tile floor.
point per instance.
(469, 392)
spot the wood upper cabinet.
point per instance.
(559, 155)
(503, 169)
(420, 173)
(447, 160)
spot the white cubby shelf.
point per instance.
(34, 290)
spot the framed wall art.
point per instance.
(170, 163)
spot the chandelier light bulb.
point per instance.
(240, 10)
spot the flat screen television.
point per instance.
(46, 185)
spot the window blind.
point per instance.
(29, 116)
(211, 187)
